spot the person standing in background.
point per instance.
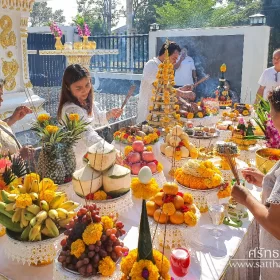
(270, 78)
(185, 71)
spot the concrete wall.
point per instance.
(255, 51)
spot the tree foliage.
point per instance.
(100, 15)
(41, 15)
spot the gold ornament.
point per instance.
(28, 84)
(9, 54)
(10, 70)
(7, 36)
(24, 57)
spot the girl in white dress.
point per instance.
(77, 97)
(266, 213)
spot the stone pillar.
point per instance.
(14, 61)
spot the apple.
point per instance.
(135, 168)
(138, 146)
(148, 156)
(133, 157)
(152, 166)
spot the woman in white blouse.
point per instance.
(266, 213)
(77, 97)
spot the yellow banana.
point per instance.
(34, 195)
(34, 209)
(35, 186)
(23, 221)
(72, 214)
(41, 216)
(51, 226)
(69, 205)
(46, 232)
(53, 214)
(17, 215)
(44, 205)
(25, 234)
(62, 213)
(38, 237)
(29, 216)
(34, 232)
(12, 197)
(57, 200)
(10, 206)
(62, 223)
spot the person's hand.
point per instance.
(183, 56)
(187, 88)
(240, 194)
(253, 176)
(27, 152)
(189, 95)
(19, 113)
(114, 113)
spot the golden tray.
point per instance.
(263, 163)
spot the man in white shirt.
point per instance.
(149, 76)
(270, 78)
(185, 73)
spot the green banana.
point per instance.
(34, 232)
(4, 195)
(4, 211)
(62, 213)
(62, 223)
(34, 209)
(23, 221)
(25, 234)
(10, 206)
(53, 214)
(44, 205)
(12, 197)
(69, 205)
(29, 215)
(57, 200)
(7, 222)
(39, 218)
(38, 237)
(17, 215)
(34, 196)
(33, 222)
(51, 226)
(46, 232)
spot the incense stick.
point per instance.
(232, 163)
(129, 94)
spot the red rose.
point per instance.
(180, 194)
(125, 136)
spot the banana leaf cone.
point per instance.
(145, 247)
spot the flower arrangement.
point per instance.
(243, 109)
(144, 191)
(92, 243)
(145, 133)
(57, 141)
(56, 31)
(137, 156)
(171, 206)
(34, 210)
(83, 28)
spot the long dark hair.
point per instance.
(72, 74)
(274, 99)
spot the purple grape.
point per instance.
(97, 248)
(79, 264)
(86, 260)
(96, 258)
(103, 253)
(89, 268)
(61, 259)
(91, 254)
(91, 247)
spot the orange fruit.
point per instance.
(158, 199)
(177, 218)
(170, 188)
(151, 208)
(178, 202)
(160, 217)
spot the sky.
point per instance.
(70, 9)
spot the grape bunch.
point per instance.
(109, 244)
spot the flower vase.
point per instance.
(58, 44)
(86, 44)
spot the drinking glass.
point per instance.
(217, 215)
(180, 262)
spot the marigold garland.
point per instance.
(107, 222)
(92, 233)
(190, 115)
(107, 266)
(47, 184)
(168, 208)
(144, 191)
(188, 198)
(47, 195)
(138, 267)
(223, 193)
(190, 218)
(78, 248)
(128, 261)
(159, 167)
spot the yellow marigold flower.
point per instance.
(138, 138)
(166, 110)
(47, 184)
(247, 106)
(245, 113)
(176, 107)
(172, 83)
(235, 105)
(127, 150)
(155, 83)
(151, 108)
(226, 192)
(223, 68)
(161, 262)
(107, 222)
(92, 233)
(168, 208)
(188, 198)
(52, 129)
(43, 117)
(190, 218)
(138, 267)
(107, 266)
(128, 261)
(177, 116)
(149, 117)
(190, 115)
(144, 191)
(74, 117)
(149, 148)
(100, 195)
(47, 195)
(200, 114)
(159, 167)
(23, 200)
(77, 248)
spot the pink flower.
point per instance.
(56, 31)
(4, 163)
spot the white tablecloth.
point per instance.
(209, 262)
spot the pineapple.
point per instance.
(68, 158)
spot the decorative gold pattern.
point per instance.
(9, 54)
(24, 57)
(10, 70)
(18, 5)
(28, 84)
(7, 36)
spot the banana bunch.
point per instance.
(27, 213)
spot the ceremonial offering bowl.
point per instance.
(266, 159)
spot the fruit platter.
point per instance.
(91, 246)
(176, 210)
(203, 132)
(102, 181)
